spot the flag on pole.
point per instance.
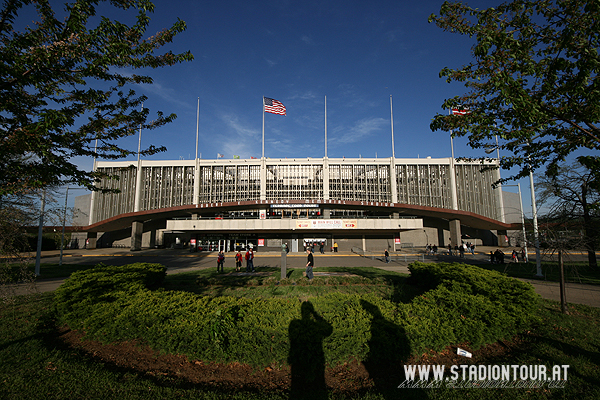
(274, 106)
(460, 111)
(219, 155)
(236, 157)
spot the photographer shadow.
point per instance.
(389, 349)
(306, 355)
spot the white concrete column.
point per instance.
(138, 187)
(196, 198)
(326, 178)
(137, 229)
(455, 234)
(499, 195)
(393, 181)
(263, 178)
(453, 189)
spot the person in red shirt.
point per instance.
(220, 260)
(250, 260)
(238, 261)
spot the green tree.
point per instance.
(63, 85)
(533, 80)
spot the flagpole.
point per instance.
(138, 179)
(393, 181)
(197, 126)
(325, 126)
(140, 138)
(451, 141)
(392, 121)
(263, 127)
(196, 199)
(453, 187)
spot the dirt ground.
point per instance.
(351, 377)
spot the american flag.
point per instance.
(463, 111)
(274, 106)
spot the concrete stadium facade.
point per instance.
(369, 204)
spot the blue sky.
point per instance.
(357, 53)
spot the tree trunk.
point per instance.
(592, 258)
(590, 231)
(563, 294)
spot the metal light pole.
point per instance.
(536, 235)
(62, 237)
(518, 185)
(38, 257)
(523, 224)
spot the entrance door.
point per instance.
(294, 245)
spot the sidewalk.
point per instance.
(576, 293)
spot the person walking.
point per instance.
(335, 247)
(387, 256)
(238, 261)
(250, 260)
(220, 260)
(310, 262)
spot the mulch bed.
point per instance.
(351, 377)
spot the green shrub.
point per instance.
(85, 289)
(466, 304)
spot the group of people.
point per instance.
(311, 246)
(249, 256)
(497, 257)
(431, 250)
(462, 249)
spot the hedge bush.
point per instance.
(464, 304)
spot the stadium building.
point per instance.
(368, 204)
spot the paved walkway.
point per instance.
(576, 293)
(181, 261)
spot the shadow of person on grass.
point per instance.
(388, 351)
(306, 355)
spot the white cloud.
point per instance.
(361, 130)
(307, 95)
(241, 140)
(307, 39)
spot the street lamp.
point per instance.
(536, 235)
(522, 220)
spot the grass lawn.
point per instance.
(35, 363)
(19, 272)
(267, 283)
(576, 272)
